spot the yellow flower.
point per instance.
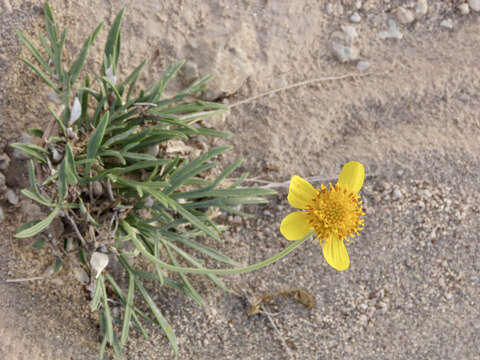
(332, 213)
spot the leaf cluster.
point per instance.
(103, 168)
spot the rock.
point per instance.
(329, 9)
(421, 9)
(152, 150)
(474, 4)
(81, 275)
(447, 23)
(404, 16)
(342, 43)
(396, 195)
(4, 161)
(392, 32)
(2, 216)
(17, 174)
(225, 57)
(2, 180)
(12, 197)
(363, 65)
(464, 9)
(30, 211)
(355, 18)
(19, 154)
(97, 188)
(350, 32)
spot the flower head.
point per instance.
(334, 213)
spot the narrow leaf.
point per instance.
(35, 229)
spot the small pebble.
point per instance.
(81, 275)
(4, 161)
(464, 9)
(421, 9)
(329, 9)
(2, 180)
(396, 194)
(447, 23)
(97, 188)
(2, 216)
(392, 32)
(363, 65)
(404, 16)
(474, 4)
(355, 18)
(12, 197)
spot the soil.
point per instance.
(412, 290)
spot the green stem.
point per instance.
(179, 269)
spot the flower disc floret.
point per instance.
(337, 211)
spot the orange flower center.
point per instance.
(336, 211)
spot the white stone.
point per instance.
(474, 4)
(363, 65)
(12, 197)
(404, 16)
(421, 9)
(355, 18)
(81, 275)
(392, 32)
(464, 9)
(447, 23)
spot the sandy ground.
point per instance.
(412, 289)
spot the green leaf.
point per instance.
(35, 229)
(61, 125)
(78, 63)
(99, 109)
(33, 184)
(117, 138)
(38, 244)
(35, 132)
(97, 294)
(26, 225)
(70, 166)
(50, 25)
(192, 292)
(62, 182)
(113, 153)
(95, 140)
(57, 265)
(128, 309)
(40, 73)
(131, 80)
(36, 54)
(106, 312)
(209, 252)
(157, 90)
(192, 168)
(196, 86)
(112, 44)
(159, 317)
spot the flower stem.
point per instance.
(180, 269)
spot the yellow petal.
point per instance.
(295, 226)
(335, 253)
(300, 193)
(352, 176)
